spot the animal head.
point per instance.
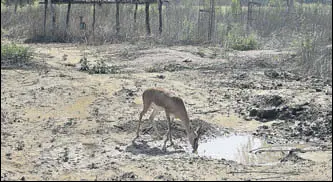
(194, 139)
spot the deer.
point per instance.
(160, 99)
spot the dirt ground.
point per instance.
(62, 123)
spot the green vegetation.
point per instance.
(244, 43)
(15, 54)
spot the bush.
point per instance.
(12, 54)
(245, 43)
(15, 52)
(99, 68)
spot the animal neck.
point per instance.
(189, 131)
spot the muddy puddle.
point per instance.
(237, 147)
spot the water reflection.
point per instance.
(236, 148)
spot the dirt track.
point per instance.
(63, 123)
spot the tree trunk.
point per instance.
(15, 8)
(211, 19)
(135, 11)
(53, 25)
(94, 17)
(147, 19)
(45, 10)
(160, 16)
(135, 15)
(290, 6)
(68, 12)
(117, 17)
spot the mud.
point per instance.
(61, 122)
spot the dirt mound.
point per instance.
(302, 121)
(273, 74)
(267, 100)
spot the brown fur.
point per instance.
(173, 106)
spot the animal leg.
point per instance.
(151, 119)
(168, 134)
(146, 106)
(169, 130)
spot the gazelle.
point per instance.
(160, 99)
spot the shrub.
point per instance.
(245, 43)
(15, 52)
(12, 54)
(99, 68)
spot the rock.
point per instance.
(267, 100)
(253, 112)
(267, 113)
(271, 74)
(160, 76)
(187, 60)
(265, 127)
(130, 175)
(308, 133)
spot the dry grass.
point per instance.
(272, 26)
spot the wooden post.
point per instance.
(211, 19)
(45, 10)
(117, 17)
(68, 11)
(160, 16)
(147, 18)
(93, 23)
(135, 11)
